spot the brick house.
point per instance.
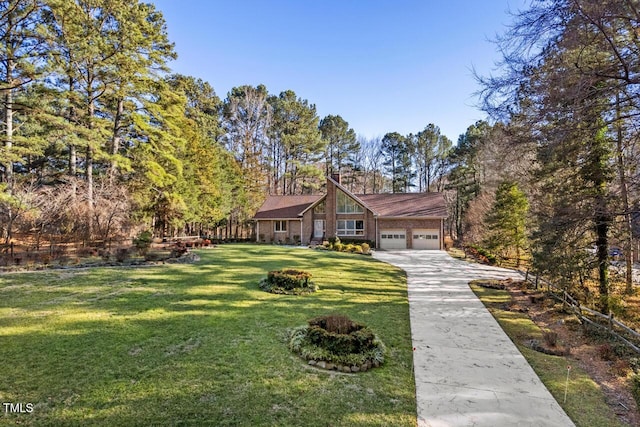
(392, 221)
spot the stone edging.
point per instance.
(340, 368)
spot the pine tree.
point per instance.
(296, 144)
(341, 144)
(507, 221)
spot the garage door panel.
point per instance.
(393, 239)
(426, 239)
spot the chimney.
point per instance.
(336, 177)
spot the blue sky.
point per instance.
(384, 66)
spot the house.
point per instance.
(390, 221)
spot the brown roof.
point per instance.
(285, 207)
(406, 204)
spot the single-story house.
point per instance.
(391, 221)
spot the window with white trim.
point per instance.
(350, 227)
(345, 204)
(279, 226)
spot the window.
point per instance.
(279, 226)
(350, 227)
(345, 204)
(319, 209)
(393, 236)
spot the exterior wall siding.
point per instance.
(330, 209)
(267, 233)
(302, 229)
(307, 227)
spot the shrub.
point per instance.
(482, 254)
(340, 335)
(122, 254)
(550, 338)
(154, 256)
(142, 241)
(179, 249)
(335, 323)
(288, 281)
(620, 368)
(635, 388)
(336, 339)
(337, 246)
(606, 352)
(365, 248)
(349, 248)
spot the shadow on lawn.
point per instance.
(201, 344)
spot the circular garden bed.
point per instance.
(335, 342)
(288, 281)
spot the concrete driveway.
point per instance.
(467, 370)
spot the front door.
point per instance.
(318, 228)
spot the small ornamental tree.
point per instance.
(507, 221)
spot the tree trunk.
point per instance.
(8, 114)
(115, 140)
(628, 226)
(603, 222)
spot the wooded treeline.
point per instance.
(564, 166)
(101, 140)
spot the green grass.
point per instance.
(585, 403)
(199, 344)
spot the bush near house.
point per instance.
(348, 245)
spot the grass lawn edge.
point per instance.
(585, 403)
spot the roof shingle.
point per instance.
(285, 207)
(406, 204)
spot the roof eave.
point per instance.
(312, 205)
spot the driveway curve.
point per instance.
(467, 370)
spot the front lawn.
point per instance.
(199, 344)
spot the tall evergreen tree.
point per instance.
(396, 151)
(567, 62)
(507, 221)
(341, 143)
(22, 51)
(295, 144)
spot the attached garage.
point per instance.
(393, 239)
(426, 239)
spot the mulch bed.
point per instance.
(583, 350)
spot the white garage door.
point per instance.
(393, 239)
(426, 239)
